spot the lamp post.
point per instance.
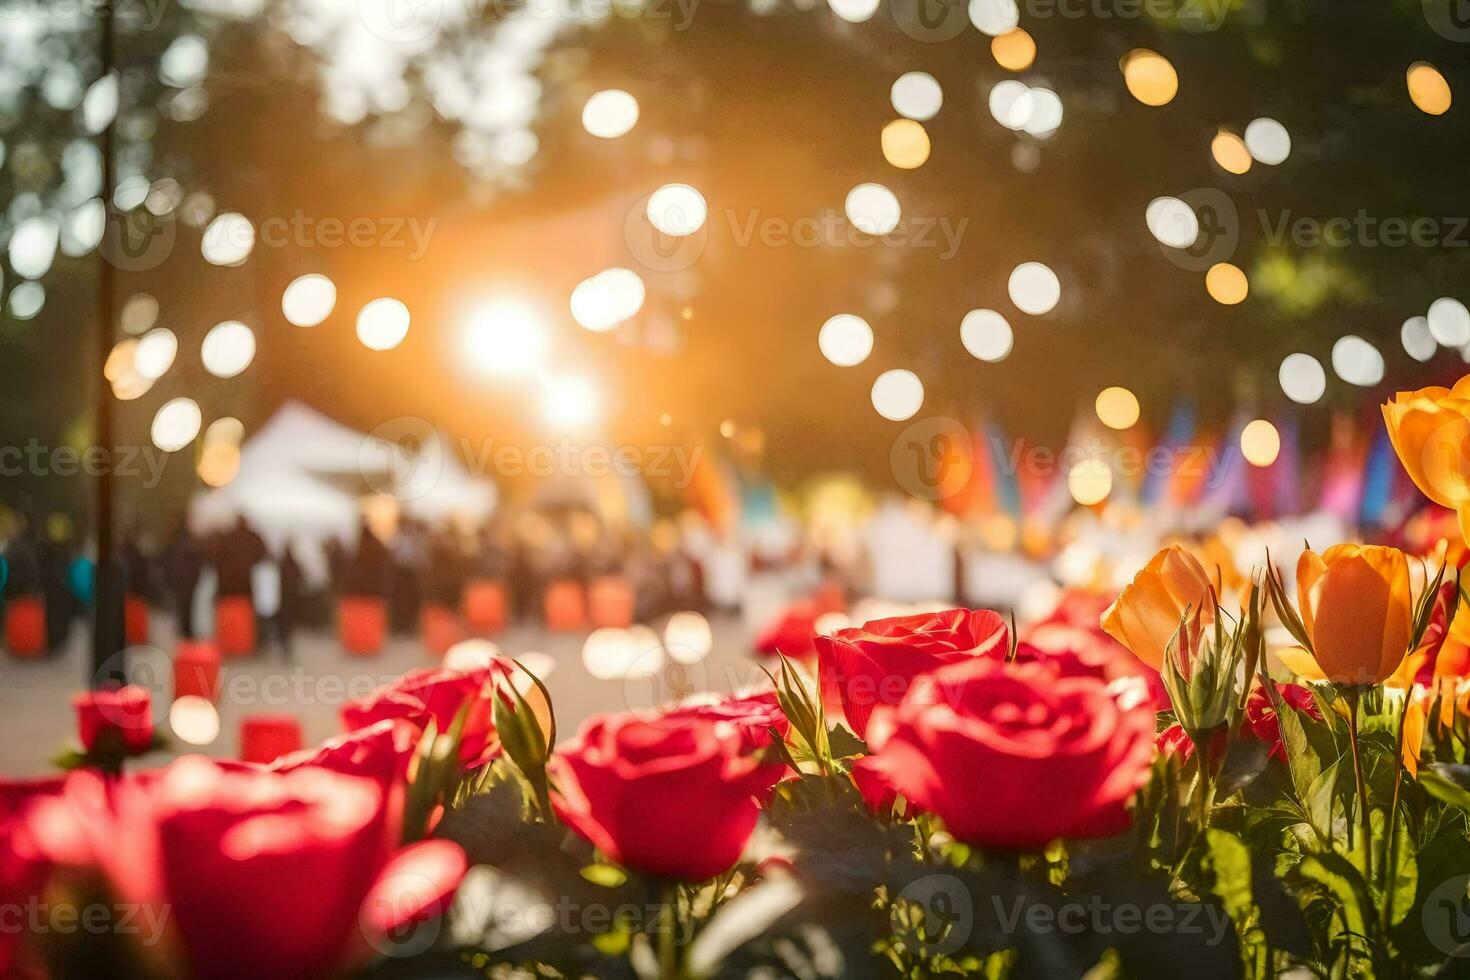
(107, 627)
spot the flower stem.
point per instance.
(1354, 695)
(668, 937)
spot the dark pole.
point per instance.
(107, 629)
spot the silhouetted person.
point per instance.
(55, 558)
(408, 557)
(293, 597)
(235, 554)
(368, 571)
(183, 564)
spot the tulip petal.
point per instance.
(1300, 662)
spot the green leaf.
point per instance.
(1405, 883)
(606, 875)
(1318, 800)
(1346, 885)
(1230, 862)
(1448, 782)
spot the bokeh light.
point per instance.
(194, 720)
(309, 300)
(1150, 77)
(1302, 378)
(1117, 408)
(1449, 322)
(570, 401)
(1428, 89)
(1227, 283)
(1034, 288)
(1356, 361)
(845, 340)
(1260, 443)
(156, 352)
(1172, 222)
(219, 463)
(986, 335)
(228, 239)
(872, 209)
(505, 338)
(1090, 481)
(917, 95)
(610, 113)
(898, 394)
(228, 349)
(677, 209)
(687, 637)
(33, 246)
(1011, 103)
(383, 323)
(854, 11)
(1014, 50)
(607, 299)
(1046, 113)
(1268, 141)
(1230, 152)
(176, 424)
(995, 17)
(905, 144)
(1418, 342)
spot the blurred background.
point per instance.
(720, 307)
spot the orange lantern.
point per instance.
(439, 627)
(265, 738)
(135, 620)
(25, 626)
(362, 621)
(610, 602)
(196, 670)
(565, 605)
(234, 626)
(484, 606)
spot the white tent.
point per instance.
(302, 475)
(435, 485)
(300, 438)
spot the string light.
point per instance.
(1260, 443)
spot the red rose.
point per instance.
(262, 874)
(380, 752)
(753, 714)
(875, 664)
(792, 633)
(126, 713)
(673, 802)
(1015, 755)
(1260, 714)
(439, 694)
(22, 867)
(1174, 740)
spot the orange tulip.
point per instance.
(1430, 431)
(1146, 614)
(1356, 604)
